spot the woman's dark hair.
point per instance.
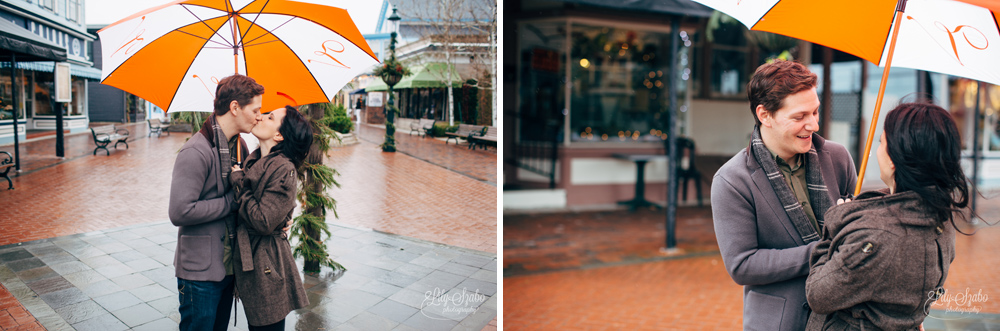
(298, 134)
(923, 142)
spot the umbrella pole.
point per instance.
(881, 93)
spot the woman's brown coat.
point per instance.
(267, 279)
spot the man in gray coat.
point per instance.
(202, 205)
(768, 200)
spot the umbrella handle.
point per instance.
(878, 100)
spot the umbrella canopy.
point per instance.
(427, 75)
(950, 37)
(175, 54)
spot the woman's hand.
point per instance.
(236, 167)
(842, 201)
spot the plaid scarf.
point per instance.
(818, 196)
(213, 132)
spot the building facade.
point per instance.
(61, 22)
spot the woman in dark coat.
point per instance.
(267, 279)
(885, 256)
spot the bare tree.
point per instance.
(455, 29)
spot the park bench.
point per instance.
(156, 126)
(105, 134)
(464, 131)
(6, 163)
(488, 136)
(422, 127)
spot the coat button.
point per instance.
(805, 305)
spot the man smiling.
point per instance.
(768, 200)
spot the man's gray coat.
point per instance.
(760, 247)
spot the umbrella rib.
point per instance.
(271, 32)
(261, 43)
(254, 22)
(278, 39)
(214, 31)
(206, 39)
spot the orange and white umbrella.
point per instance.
(958, 38)
(174, 55)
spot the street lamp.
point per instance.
(391, 76)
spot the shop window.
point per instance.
(963, 105)
(42, 94)
(619, 89)
(6, 98)
(76, 107)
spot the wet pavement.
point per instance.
(603, 270)
(102, 219)
(122, 278)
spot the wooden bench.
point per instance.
(464, 131)
(105, 134)
(6, 163)
(423, 127)
(487, 137)
(156, 126)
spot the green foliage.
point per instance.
(440, 128)
(312, 248)
(316, 180)
(192, 117)
(336, 118)
(390, 138)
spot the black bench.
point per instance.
(105, 134)
(421, 127)
(464, 131)
(487, 137)
(156, 126)
(6, 163)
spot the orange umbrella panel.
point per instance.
(174, 55)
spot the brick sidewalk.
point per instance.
(610, 274)
(478, 163)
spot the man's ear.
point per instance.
(234, 106)
(763, 115)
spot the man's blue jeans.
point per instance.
(205, 305)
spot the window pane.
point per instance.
(619, 84)
(43, 93)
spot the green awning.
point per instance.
(428, 75)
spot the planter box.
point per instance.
(346, 139)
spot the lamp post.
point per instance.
(391, 78)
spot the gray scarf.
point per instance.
(818, 196)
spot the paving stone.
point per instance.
(393, 310)
(478, 320)
(81, 311)
(369, 321)
(485, 275)
(339, 311)
(398, 279)
(154, 250)
(475, 285)
(150, 292)
(25, 264)
(100, 261)
(112, 271)
(426, 321)
(118, 300)
(473, 260)
(87, 252)
(137, 315)
(127, 255)
(429, 261)
(364, 270)
(15, 254)
(42, 250)
(414, 270)
(114, 247)
(163, 238)
(163, 324)
(402, 255)
(58, 258)
(143, 264)
(459, 269)
(309, 321)
(105, 322)
(66, 268)
(31, 275)
(132, 281)
(436, 281)
(165, 305)
(101, 288)
(138, 243)
(64, 298)
(408, 297)
(49, 285)
(380, 289)
(84, 278)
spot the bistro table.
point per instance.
(640, 160)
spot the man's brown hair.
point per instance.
(236, 87)
(773, 82)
